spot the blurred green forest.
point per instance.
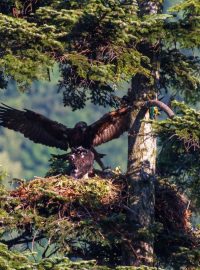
(22, 158)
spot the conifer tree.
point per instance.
(98, 45)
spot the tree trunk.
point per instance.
(141, 175)
(142, 157)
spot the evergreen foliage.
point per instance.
(98, 45)
(183, 127)
(180, 149)
(15, 261)
(87, 219)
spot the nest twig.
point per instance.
(64, 193)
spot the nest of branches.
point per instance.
(68, 197)
(92, 211)
(78, 199)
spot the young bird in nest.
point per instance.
(43, 130)
(82, 161)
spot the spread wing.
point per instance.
(35, 127)
(110, 126)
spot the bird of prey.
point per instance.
(81, 161)
(40, 129)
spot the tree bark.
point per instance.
(142, 158)
(141, 176)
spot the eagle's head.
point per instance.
(82, 126)
(81, 160)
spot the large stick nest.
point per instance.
(92, 210)
(77, 198)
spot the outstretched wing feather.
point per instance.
(35, 127)
(110, 126)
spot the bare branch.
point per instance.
(160, 105)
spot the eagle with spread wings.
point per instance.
(40, 129)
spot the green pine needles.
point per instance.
(183, 127)
(87, 219)
(97, 45)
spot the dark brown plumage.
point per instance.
(81, 161)
(40, 129)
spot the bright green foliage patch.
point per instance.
(188, 23)
(58, 30)
(16, 261)
(179, 157)
(99, 44)
(184, 126)
(13, 261)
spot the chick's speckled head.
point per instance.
(81, 160)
